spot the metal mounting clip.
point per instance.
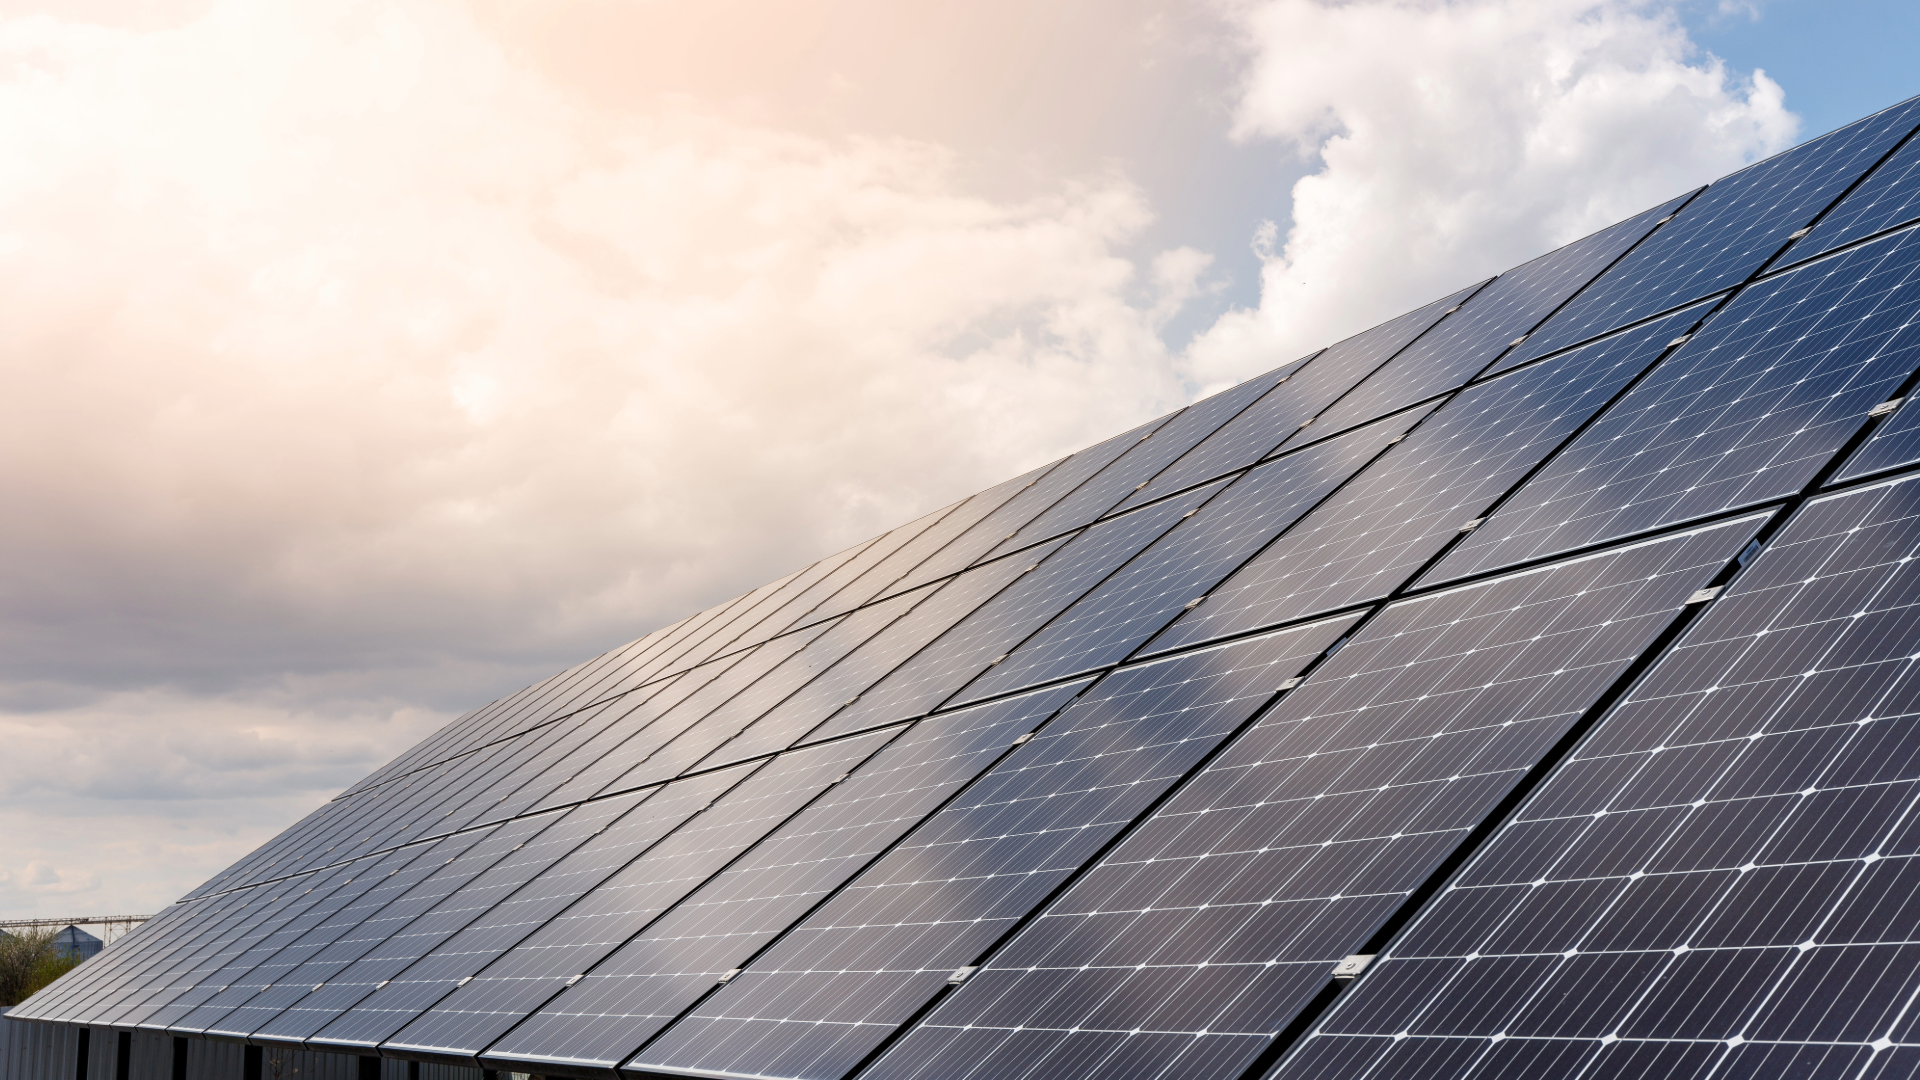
(1352, 966)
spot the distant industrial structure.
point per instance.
(71, 938)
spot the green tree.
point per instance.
(28, 961)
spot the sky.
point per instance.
(367, 361)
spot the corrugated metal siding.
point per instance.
(30, 1051)
(152, 1057)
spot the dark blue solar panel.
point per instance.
(1727, 232)
(1303, 392)
(365, 953)
(219, 978)
(97, 986)
(803, 710)
(514, 958)
(1888, 198)
(1721, 878)
(1895, 442)
(1377, 532)
(657, 974)
(1186, 949)
(1108, 624)
(1750, 409)
(889, 575)
(842, 981)
(405, 983)
(922, 683)
(1485, 326)
(252, 999)
(1149, 454)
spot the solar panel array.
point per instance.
(1526, 686)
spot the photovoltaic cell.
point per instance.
(617, 759)
(690, 735)
(803, 710)
(1149, 454)
(1304, 391)
(1378, 531)
(659, 973)
(1241, 441)
(922, 683)
(1895, 442)
(1033, 494)
(1727, 232)
(1202, 935)
(249, 1000)
(367, 953)
(584, 907)
(411, 977)
(889, 576)
(1888, 198)
(1722, 876)
(1108, 624)
(191, 1000)
(1750, 409)
(838, 984)
(1467, 341)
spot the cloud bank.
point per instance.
(362, 370)
(1455, 140)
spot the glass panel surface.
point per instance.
(656, 975)
(833, 988)
(1466, 342)
(929, 678)
(1727, 862)
(406, 981)
(1202, 935)
(1888, 198)
(1148, 455)
(1306, 388)
(1727, 232)
(1750, 409)
(1108, 624)
(524, 950)
(1377, 532)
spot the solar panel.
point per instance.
(1041, 589)
(1887, 199)
(1727, 232)
(247, 999)
(1377, 532)
(1186, 949)
(572, 915)
(1467, 341)
(1109, 623)
(1719, 877)
(367, 953)
(1149, 455)
(802, 711)
(1030, 498)
(408, 980)
(1389, 714)
(625, 759)
(213, 971)
(842, 980)
(1750, 409)
(657, 974)
(1305, 389)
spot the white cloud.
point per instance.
(356, 372)
(1456, 139)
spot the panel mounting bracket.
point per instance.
(1352, 966)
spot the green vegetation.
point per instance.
(28, 961)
